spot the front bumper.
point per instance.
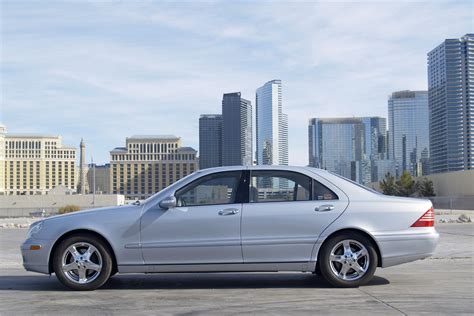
(407, 246)
(36, 260)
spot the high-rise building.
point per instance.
(236, 130)
(98, 178)
(149, 163)
(408, 118)
(272, 125)
(210, 141)
(35, 164)
(451, 110)
(347, 146)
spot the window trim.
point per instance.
(277, 170)
(312, 193)
(238, 191)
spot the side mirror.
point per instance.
(167, 203)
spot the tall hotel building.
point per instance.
(236, 130)
(210, 141)
(408, 118)
(272, 125)
(347, 146)
(34, 164)
(451, 110)
(149, 163)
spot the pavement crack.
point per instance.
(383, 302)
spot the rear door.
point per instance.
(285, 214)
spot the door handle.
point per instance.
(324, 208)
(228, 211)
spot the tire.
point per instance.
(82, 262)
(348, 268)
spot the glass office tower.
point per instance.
(451, 110)
(272, 125)
(210, 141)
(236, 130)
(349, 147)
(408, 118)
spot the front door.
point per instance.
(203, 228)
(286, 213)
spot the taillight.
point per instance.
(426, 220)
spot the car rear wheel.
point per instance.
(82, 262)
(348, 260)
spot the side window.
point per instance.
(278, 186)
(321, 192)
(219, 188)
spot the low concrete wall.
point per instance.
(23, 205)
(451, 184)
(453, 202)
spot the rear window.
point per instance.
(355, 183)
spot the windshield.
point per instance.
(355, 183)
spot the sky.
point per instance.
(106, 70)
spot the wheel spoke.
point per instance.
(336, 258)
(82, 275)
(73, 251)
(69, 267)
(361, 253)
(360, 270)
(347, 246)
(344, 269)
(93, 266)
(88, 253)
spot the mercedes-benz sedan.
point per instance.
(238, 219)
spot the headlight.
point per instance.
(34, 229)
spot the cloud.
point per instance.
(106, 70)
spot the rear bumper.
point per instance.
(407, 246)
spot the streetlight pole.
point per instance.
(93, 181)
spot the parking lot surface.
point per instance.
(443, 284)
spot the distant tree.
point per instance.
(68, 209)
(388, 185)
(406, 186)
(425, 187)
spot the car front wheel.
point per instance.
(82, 262)
(348, 260)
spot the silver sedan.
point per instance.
(261, 218)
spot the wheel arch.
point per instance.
(356, 230)
(78, 232)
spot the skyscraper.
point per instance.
(408, 128)
(236, 130)
(347, 146)
(210, 141)
(272, 125)
(451, 110)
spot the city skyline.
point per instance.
(121, 68)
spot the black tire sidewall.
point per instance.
(107, 264)
(325, 266)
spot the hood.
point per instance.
(92, 211)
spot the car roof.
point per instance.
(261, 167)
